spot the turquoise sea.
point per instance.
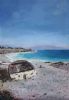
(46, 55)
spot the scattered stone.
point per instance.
(31, 73)
(24, 76)
(41, 66)
(33, 95)
(18, 75)
(61, 65)
(45, 93)
(47, 62)
(32, 79)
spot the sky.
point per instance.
(34, 23)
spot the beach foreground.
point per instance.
(49, 83)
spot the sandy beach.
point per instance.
(49, 83)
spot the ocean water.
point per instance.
(46, 55)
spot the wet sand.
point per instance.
(49, 83)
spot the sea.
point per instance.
(45, 55)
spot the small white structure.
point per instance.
(21, 69)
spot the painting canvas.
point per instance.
(34, 49)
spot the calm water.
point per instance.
(46, 55)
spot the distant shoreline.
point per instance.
(12, 57)
(5, 50)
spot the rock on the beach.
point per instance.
(61, 65)
(20, 69)
(20, 66)
(4, 75)
(6, 95)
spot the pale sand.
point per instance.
(19, 76)
(4, 58)
(49, 83)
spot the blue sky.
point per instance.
(34, 23)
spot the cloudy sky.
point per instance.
(34, 23)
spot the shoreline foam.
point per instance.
(13, 57)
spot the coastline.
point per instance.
(4, 58)
(12, 57)
(48, 81)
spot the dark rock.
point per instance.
(45, 93)
(57, 64)
(40, 66)
(24, 76)
(6, 95)
(20, 66)
(4, 75)
(61, 65)
(47, 62)
(33, 95)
